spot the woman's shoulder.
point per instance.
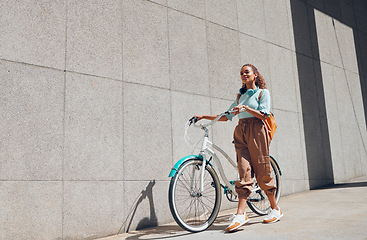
(264, 91)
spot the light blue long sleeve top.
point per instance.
(251, 99)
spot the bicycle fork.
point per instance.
(202, 170)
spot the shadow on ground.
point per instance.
(172, 231)
(345, 185)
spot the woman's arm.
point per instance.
(255, 113)
(211, 117)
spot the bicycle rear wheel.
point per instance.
(258, 202)
(192, 209)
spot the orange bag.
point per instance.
(270, 123)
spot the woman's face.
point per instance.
(247, 75)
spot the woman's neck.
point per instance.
(251, 86)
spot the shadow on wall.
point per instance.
(152, 221)
(316, 130)
(315, 123)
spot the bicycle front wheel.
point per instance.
(258, 202)
(192, 209)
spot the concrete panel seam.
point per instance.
(62, 70)
(290, 29)
(170, 82)
(186, 13)
(63, 124)
(63, 158)
(32, 65)
(237, 16)
(123, 92)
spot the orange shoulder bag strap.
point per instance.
(270, 122)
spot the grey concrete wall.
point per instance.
(94, 96)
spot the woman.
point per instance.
(251, 142)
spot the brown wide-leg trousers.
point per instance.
(252, 142)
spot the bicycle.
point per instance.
(195, 189)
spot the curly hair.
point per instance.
(260, 82)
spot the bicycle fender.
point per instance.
(280, 172)
(180, 162)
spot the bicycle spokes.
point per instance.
(193, 209)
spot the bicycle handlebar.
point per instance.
(204, 127)
(194, 120)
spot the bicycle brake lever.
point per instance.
(193, 120)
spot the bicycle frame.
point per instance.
(204, 151)
(220, 167)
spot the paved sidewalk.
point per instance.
(336, 212)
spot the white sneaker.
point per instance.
(237, 222)
(273, 216)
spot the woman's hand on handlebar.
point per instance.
(239, 108)
(198, 117)
(195, 119)
(208, 117)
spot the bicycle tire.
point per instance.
(258, 201)
(192, 210)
